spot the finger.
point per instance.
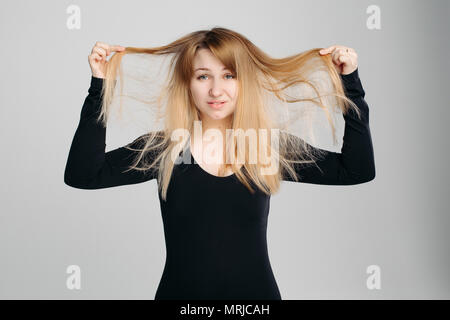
(335, 56)
(338, 53)
(349, 51)
(327, 50)
(333, 48)
(353, 55)
(116, 48)
(108, 49)
(96, 57)
(344, 59)
(100, 51)
(99, 58)
(102, 45)
(341, 51)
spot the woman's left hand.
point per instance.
(344, 58)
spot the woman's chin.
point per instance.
(217, 115)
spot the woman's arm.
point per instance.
(88, 166)
(355, 164)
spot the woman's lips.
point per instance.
(217, 105)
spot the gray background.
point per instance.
(321, 238)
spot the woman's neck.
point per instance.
(204, 140)
(221, 124)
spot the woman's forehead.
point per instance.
(206, 61)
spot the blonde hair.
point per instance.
(260, 77)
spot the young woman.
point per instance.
(215, 212)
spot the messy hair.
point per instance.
(265, 101)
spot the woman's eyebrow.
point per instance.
(225, 68)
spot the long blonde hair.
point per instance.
(259, 77)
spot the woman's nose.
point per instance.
(216, 88)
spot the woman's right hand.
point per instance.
(97, 58)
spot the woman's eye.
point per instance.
(204, 75)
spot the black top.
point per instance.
(215, 229)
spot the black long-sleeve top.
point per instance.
(214, 227)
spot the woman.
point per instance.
(215, 212)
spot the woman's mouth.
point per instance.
(216, 105)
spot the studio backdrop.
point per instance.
(384, 239)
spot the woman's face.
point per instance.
(213, 83)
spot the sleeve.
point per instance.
(355, 164)
(88, 166)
